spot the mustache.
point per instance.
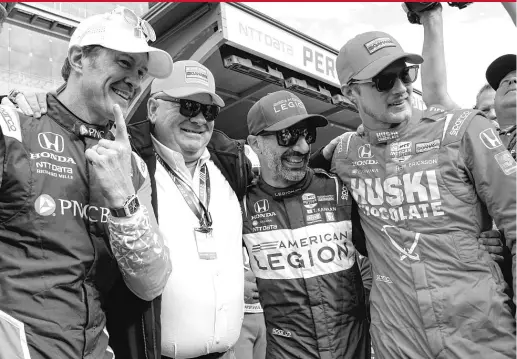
(291, 152)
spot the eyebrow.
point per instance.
(134, 61)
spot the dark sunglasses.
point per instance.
(289, 136)
(190, 108)
(385, 82)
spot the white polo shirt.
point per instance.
(202, 303)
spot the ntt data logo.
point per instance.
(45, 205)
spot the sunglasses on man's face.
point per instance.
(288, 137)
(190, 108)
(385, 82)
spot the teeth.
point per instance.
(191, 131)
(295, 160)
(121, 94)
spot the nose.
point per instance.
(199, 119)
(491, 114)
(399, 87)
(302, 146)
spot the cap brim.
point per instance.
(499, 68)
(182, 92)
(376, 67)
(315, 120)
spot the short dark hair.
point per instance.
(88, 51)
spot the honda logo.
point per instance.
(365, 151)
(51, 141)
(261, 206)
(490, 139)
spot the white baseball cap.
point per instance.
(122, 30)
(188, 78)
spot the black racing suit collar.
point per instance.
(62, 115)
(390, 134)
(279, 193)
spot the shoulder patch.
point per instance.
(142, 167)
(10, 123)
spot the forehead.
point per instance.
(487, 95)
(139, 59)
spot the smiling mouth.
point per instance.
(124, 95)
(398, 103)
(191, 131)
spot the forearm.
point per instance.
(510, 9)
(434, 72)
(141, 254)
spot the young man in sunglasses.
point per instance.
(426, 184)
(298, 230)
(198, 174)
(76, 220)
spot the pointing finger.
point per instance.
(120, 122)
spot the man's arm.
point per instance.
(139, 248)
(493, 170)
(358, 237)
(434, 71)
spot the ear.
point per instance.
(253, 141)
(75, 57)
(349, 93)
(152, 108)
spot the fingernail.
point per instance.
(37, 114)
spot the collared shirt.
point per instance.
(202, 304)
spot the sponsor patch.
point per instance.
(490, 139)
(45, 205)
(344, 192)
(309, 200)
(261, 206)
(386, 136)
(457, 125)
(330, 216)
(506, 162)
(196, 74)
(379, 43)
(365, 151)
(427, 146)
(10, 124)
(51, 141)
(326, 198)
(401, 151)
(314, 217)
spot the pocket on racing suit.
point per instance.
(13, 338)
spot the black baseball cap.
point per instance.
(499, 68)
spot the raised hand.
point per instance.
(111, 164)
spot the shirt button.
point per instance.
(217, 340)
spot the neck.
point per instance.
(276, 181)
(77, 103)
(506, 120)
(369, 123)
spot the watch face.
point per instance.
(133, 205)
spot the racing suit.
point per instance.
(426, 189)
(60, 250)
(300, 244)
(508, 135)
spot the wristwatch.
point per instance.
(131, 205)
